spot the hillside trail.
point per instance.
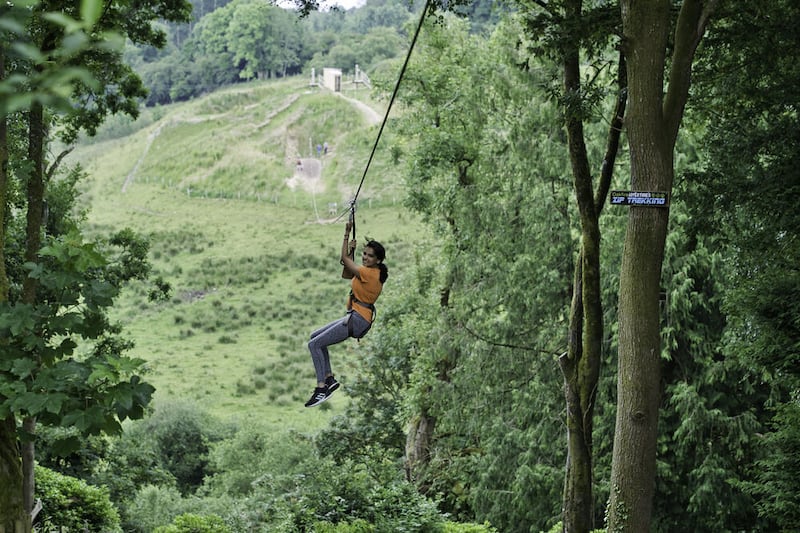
(308, 170)
(372, 116)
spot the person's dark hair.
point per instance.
(380, 253)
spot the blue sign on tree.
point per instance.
(640, 198)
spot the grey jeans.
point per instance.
(330, 334)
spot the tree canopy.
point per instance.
(654, 352)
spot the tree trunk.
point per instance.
(13, 518)
(577, 496)
(418, 441)
(3, 188)
(36, 134)
(580, 365)
(422, 427)
(652, 125)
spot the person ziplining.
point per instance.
(366, 282)
(365, 287)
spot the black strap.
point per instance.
(371, 307)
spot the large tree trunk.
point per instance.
(13, 518)
(652, 124)
(418, 443)
(35, 215)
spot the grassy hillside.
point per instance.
(253, 261)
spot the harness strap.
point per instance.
(371, 307)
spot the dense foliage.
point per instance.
(71, 503)
(749, 100)
(458, 409)
(246, 39)
(56, 287)
(232, 42)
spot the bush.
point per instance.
(73, 504)
(181, 434)
(191, 523)
(153, 507)
(557, 527)
(357, 499)
(357, 526)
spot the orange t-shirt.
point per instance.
(366, 288)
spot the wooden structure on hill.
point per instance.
(332, 79)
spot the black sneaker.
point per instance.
(332, 384)
(319, 396)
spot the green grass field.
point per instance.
(253, 263)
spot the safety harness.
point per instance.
(371, 307)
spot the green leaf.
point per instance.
(66, 446)
(68, 23)
(65, 323)
(18, 319)
(29, 52)
(90, 12)
(12, 26)
(78, 419)
(29, 402)
(22, 368)
(101, 372)
(35, 270)
(54, 402)
(123, 398)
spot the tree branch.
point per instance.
(692, 22)
(52, 169)
(614, 135)
(507, 345)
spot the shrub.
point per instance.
(73, 504)
(557, 527)
(191, 523)
(357, 526)
(349, 494)
(181, 433)
(153, 507)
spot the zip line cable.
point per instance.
(352, 208)
(389, 108)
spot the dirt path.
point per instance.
(372, 116)
(308, 171)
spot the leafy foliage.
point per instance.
(245, 40)
(711, 424)
(152, 507)
(72, 504)
(750, 179)
(43, 376)
(469, 339)
(775, 486)
(180, 435)
(190, 523)
(481, 343)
